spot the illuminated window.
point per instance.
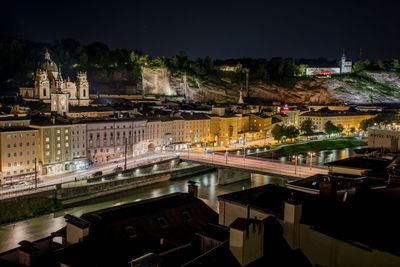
(58, 138)
(47, 139)
(58, 152)
(47, 153)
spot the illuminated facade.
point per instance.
(48, 81)
(260, 123)
(108, 139)
(55, 153)
(19, 150)
(347, 119)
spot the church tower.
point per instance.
(60, 102)
(82, 89)
(42, 85)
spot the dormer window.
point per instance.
(162, 222)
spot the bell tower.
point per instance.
(82, 88)
(42, 85)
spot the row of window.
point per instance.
(21, 163)
(20, 135)
(20, 144)
(21, 153)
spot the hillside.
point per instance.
(130, 72)
(360, 88)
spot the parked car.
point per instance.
(97, 174)
(118, 169)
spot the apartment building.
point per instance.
(261, 124)
(55, 147)
(19, 151)
(348, 119)
(79, 146)
(108, 139)
(197, 128)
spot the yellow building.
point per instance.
(348, 119)
(260, 123)
(19, 150)
(197, 128)
(224, 129)
(54, 145)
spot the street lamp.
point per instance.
(311, 154)
(296, 157)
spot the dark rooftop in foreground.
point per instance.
(368, 163)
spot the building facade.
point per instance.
(48, 81)
(109, 139)
(55, 147)
(19, 151)
(348, 119)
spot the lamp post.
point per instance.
(311, 154)
(295, 163)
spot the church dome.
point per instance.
(47, 63)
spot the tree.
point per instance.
(365, 124)
(330, 128)
(339, 129)
(306, 126)
(395, 64)
(208, 63)
(277, 132)
(352, 130)
(291, 132)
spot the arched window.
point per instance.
(44, 91)
(84, 92)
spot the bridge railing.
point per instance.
(193, 155)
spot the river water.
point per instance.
(209, 190)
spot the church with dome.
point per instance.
(50, 87)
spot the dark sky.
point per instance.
(221, 29)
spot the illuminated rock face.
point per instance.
(157, 82)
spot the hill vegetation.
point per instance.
(19, 58)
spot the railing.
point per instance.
(27, 191)
(256, 164)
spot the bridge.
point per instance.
(253, 164)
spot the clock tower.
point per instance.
(59, 102)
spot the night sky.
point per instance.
(221, 29)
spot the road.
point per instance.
(254, 164)
(84, 174)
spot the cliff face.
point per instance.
(364, 88)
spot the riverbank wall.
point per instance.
(71, 193)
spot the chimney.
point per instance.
(328, 188)
(193, 188)
(27, 253)
(291, 223)
(77, 229)
(246, 241)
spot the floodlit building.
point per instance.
(348, 119)
(197, 128)
(18, 152)
(108, 138)
(384, 138)
(49, 81)
(55, 146)
(260, 123)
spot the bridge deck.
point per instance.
(256, 165)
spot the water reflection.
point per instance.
(209, 190)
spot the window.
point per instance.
(15, 154)
(33, 152)
(15, 144)
(130, 231)
(44, 91)
(47, 139)
(162, 222)
(186, 215)
(27, 162)
(9, 155)
(8, 146)
(58, 131)
(9, 164)
(27, 144)
(20, 153)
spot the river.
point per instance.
(209, 190)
